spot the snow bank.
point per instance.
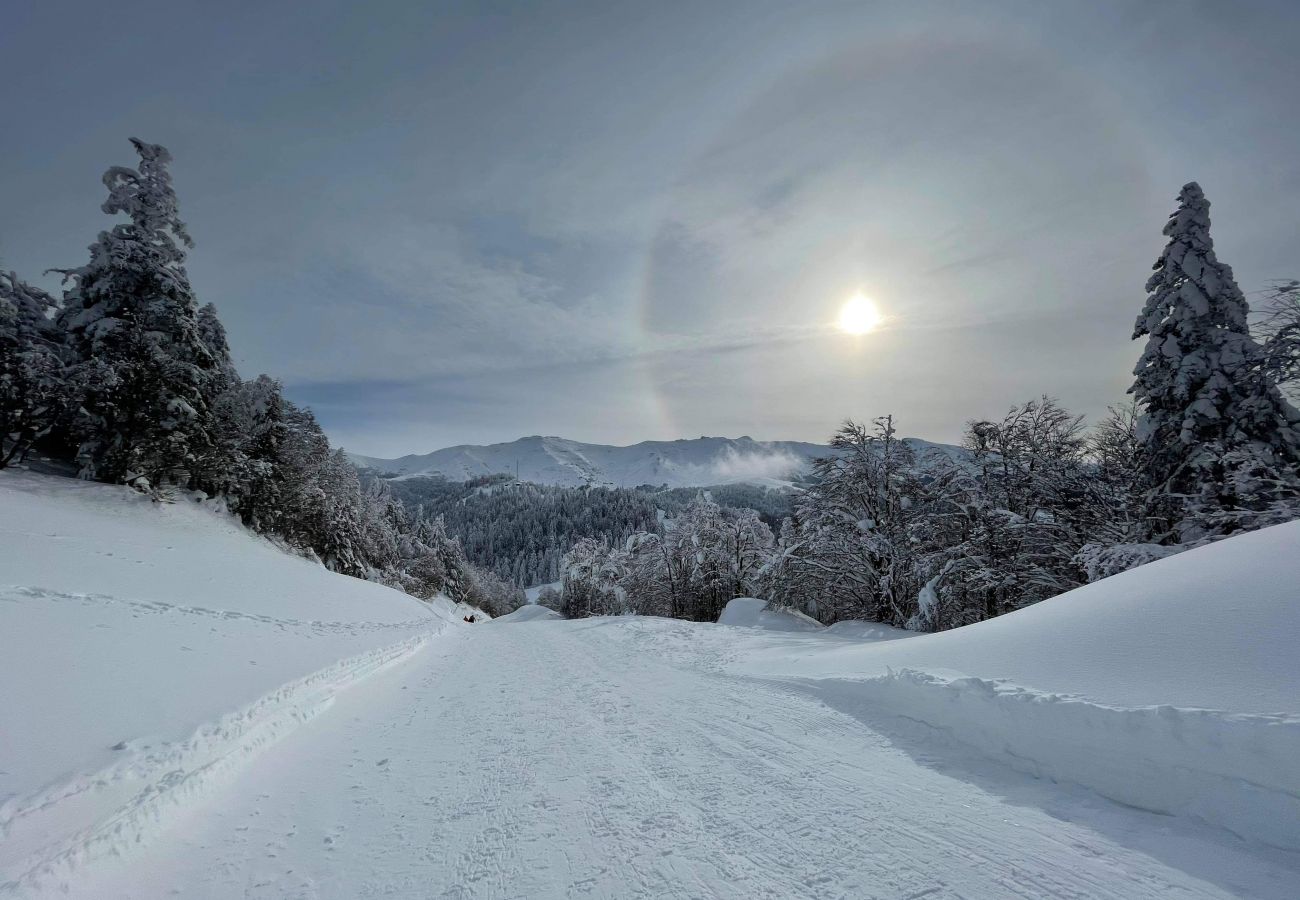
(534, 592)
(869, 631)
(1236, 771)
(530, 613)
(147, 650)
(1174, 687)
(1217, 627)
(750, 612)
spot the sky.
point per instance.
(439, 223)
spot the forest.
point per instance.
(521, 531)
(125, 378)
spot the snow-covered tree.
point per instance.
(241, 461)
(1221, 447)
(1113, 522)
(1280, 335)
(791, 576)
(1002, 533)
(213, 335)
(861, 519)
(590, 586)
(140, 359)
(651, 578)
(33, 389)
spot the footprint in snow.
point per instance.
(383, 762)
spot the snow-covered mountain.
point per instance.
(696, 462)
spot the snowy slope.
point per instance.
(685, 463)
(148, 650)
(620, 758)
(1174, 687)
(1215, 628)
(529, 613)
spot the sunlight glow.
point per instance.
(859, 316)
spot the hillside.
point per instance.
(149, 651)
(697, 462)
(1173, 687)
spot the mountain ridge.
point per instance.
(684, 462)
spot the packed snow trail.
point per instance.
(555, 759)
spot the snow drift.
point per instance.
(529, 613)
(1232, 770)
(1172, 688)
(148, 651)
(749, 612)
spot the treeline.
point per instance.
(1208, 447)
(521, 531)
(128, 379)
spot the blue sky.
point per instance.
(442, 223)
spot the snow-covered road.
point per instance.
(619, 758)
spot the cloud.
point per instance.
(739, 465)
(734, 465)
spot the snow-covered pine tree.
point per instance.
(139, 357)
(1221, 447)
(33, 393)
(213, 334)
(1280, 335)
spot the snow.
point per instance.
(1213, 628)
(534, 592)
(191, 712)
(749, 612)
(622, 757)
(530, 613)
(1173, 687)
(146, 649)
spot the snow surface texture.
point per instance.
(621, 757)
(686, 463)
(530, 613)
(624, 757)
(1174, 687)
(148, 650)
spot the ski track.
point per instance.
(617, 758)
(107, 812)
(21, 594)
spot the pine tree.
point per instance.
(140, 359)
(213, 335)
(33, 392)
(1280, 335)
(1220, 445)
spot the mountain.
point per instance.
(696, 462)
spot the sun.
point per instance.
(859, 316)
